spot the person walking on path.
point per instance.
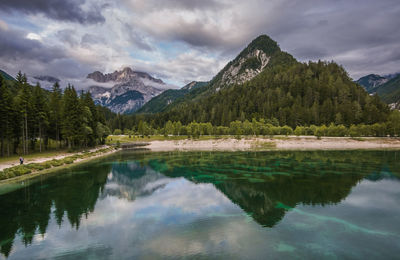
(21, 160)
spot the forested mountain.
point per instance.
(160, 102)
(6, 76)
(261, 54)
(129, 90)
(45, 81)
(31, 117)
(387, 87)
(264, 82)
(371, 82)
(390, 91)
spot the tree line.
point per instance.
(34, 119)
(267, 127)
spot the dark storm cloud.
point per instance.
(31, 56)
(14, 45)
(64, 10)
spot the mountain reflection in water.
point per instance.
(184, 188)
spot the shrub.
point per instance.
(68, 160)
(35, 166)
(56, 163)
(117, 132)
(46, 165)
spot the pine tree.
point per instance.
(41, 113)
(55, 104)
(71, 117)
(5, 116)
(24, 108)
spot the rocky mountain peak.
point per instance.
(131, 89)
(125, 75)
(97, 76)
(251, 61)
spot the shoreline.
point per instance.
(56, 168)
(299, 143)
(41, 159)
(277, 143)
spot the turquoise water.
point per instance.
(212, 205)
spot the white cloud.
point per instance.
(34, 36)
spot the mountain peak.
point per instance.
(131, 89)
(124, 75)
(127, 70)
(260, 53)
(263, 43)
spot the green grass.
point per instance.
(35, 155)
(24, 169)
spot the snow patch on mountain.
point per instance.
(129, 90)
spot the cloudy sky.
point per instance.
(184, 40)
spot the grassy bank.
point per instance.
(15, 158)
(34, 169)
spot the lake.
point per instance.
(213, 205)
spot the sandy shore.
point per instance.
(283, 143)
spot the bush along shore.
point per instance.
(24, 169)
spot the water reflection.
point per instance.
(199, 202)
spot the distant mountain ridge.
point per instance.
(387, 87)
(371, 81)
(160, 102)
(126, 74)
(390, 92)
(129, 92)
(45, 81)
(6, 76)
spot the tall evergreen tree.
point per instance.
(41, 113)
(24, 108)
(5, 117)
(72, 117)
(55, 107)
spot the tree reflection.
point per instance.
(28, 210)
(256, 182)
